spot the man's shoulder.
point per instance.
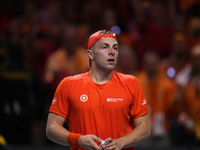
(76, 78)
(127, 80)
(124, 77)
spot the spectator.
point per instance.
(189, 117)
(127, 61)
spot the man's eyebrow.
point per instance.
(107, 44)
(116, 44)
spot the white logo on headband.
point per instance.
(107, 32)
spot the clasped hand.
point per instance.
(89, 142)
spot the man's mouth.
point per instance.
(111, 60)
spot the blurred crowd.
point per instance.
(43, 41)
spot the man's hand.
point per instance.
(113, 144)
(88, 142)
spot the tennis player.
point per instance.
(101, 106)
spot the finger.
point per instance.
(97, 139)
(95, 146)
(109, 140)
(112, 147)
(108, 145)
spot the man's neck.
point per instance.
(100, 77)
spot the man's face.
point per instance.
(105, 53)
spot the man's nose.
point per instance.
(111, 51)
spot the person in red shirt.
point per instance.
(100, 106)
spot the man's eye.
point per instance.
(104, 47)
(116, 48)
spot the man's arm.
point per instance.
(141, 131)
(55, 130)
(57, 133)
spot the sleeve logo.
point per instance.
(144, 102)
(54, 100)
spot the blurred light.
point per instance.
(171, 72)
(116, 30)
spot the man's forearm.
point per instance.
(140, 132)
(57, 134)
(55, 130)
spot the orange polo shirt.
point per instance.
(191, 102)
(105, 110)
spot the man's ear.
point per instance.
(90, 54)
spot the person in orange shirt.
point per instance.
(189, 116)
(159, 91)
(152, 83)
(100, 106)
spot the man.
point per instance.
(100, 104)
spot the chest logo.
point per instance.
(114, 99)
(84, 98)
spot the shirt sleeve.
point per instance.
(60, 102)
(139, 102)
